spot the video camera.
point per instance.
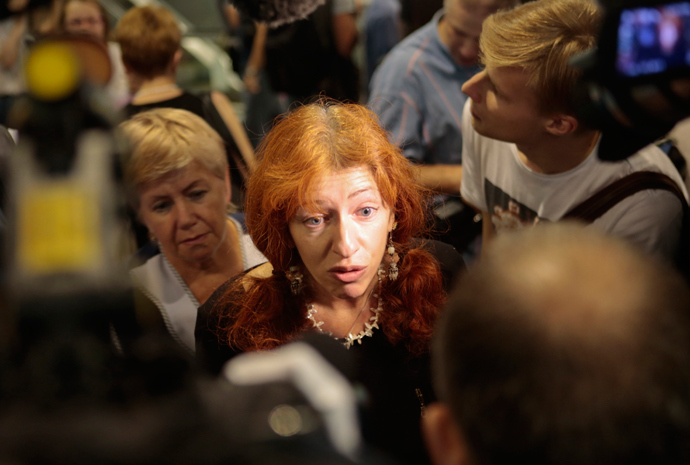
(636, 84)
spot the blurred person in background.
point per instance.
(150, 39)
(88, 17)
(261, 103)
(301, 60)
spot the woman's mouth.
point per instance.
(195, 240)
(347, 274)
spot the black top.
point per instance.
(396, 384)
(186, 101)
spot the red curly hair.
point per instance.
(310, 142)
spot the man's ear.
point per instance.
(442, 436)
(561, 124)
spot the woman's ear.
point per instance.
(443, 439)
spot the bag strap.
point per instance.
(601, 202)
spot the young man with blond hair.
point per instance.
(527, 157)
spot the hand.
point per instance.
(251, 81)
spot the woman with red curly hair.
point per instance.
(335, 208)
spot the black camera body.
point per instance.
(636, 84)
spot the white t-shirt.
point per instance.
(495, 180)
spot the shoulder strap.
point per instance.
(605, 199)
(215, 120)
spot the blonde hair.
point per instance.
(541, 37)
(149, 38)
(164, 140)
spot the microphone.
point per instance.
(277, 12)
(318, 367)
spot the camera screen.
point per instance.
(653, 40)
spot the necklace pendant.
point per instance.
(349, 341)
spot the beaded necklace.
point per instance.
(369, 326)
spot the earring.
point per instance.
(393, 265)
(295, 278)
(154, 239)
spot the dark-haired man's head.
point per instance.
(563, 346)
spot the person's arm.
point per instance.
(224, 107)
(9, 51)
(257, 59)
(48, 21)
(344, 33)
(444, 179)
(232, 16)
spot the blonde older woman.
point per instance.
(178, 184)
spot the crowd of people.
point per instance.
(459, 236)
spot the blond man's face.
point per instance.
(504, 107)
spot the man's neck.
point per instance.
(156, 89)
(558, 154)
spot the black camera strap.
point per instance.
(601, 202)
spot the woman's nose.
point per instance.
(345, 239)
(185, 215)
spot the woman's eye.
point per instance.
(160, 207)
(196, 195)
(314, 221)
(368, 211)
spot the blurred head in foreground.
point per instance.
(563, 346)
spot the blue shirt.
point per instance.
(416, 94)
(382, 26)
